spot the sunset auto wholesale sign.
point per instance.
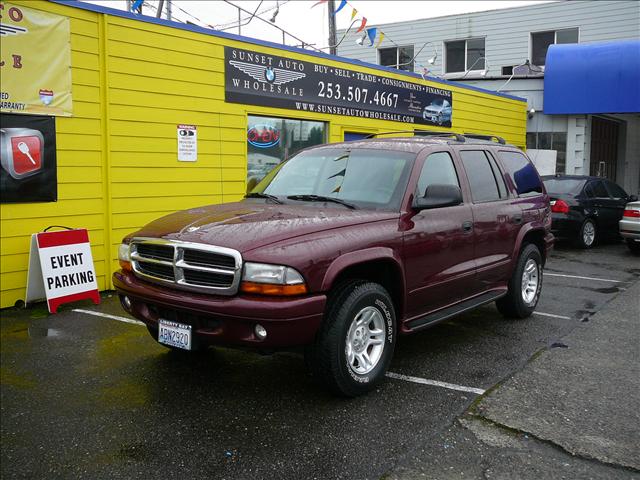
(256, 78)
(61, 268)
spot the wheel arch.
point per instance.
(378, 265)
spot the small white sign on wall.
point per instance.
(187, 143)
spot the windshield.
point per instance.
(560, 186)
(365, 178)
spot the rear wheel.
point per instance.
(354, 346)
(587, 235)
(524, 286)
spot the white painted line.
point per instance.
(435, 383)
(112, 317)
(552, 315)
(583, 278)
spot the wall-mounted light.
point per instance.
(361, 40)
(431, 60)
(483, 72)
(531, 112)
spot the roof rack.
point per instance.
(480, 136)
(421, 133)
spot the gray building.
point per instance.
(506, 50)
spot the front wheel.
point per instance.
(524, 286)
(354, 346)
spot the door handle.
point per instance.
(467, 226)
(517, 219)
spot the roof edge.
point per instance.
(255, 41)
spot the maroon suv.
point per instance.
(343, 247)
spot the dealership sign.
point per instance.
(61, 268)
(255, 78)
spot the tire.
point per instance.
(520, 303)
(337, 358)
(587, 235)
(633, 246)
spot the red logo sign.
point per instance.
(263, 136)
(27, 154)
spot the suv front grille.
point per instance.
(189, 266)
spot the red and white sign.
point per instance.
(63, 268)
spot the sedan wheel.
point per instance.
(587, 234)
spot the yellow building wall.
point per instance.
(133, 83)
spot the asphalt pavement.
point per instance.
(84, 395)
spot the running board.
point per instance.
(453, 310)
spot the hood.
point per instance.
(247, 225)
(434, 108)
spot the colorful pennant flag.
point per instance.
(362, 25)
(340, 7)
(380, 38)
(354, 12)
(371, 33)
(318, 3)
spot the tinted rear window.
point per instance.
(563, 186)
(481, 177)
(521, 170)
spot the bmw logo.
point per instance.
(270, 75)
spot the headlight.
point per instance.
(265, 279)
(124, 256)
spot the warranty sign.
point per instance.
(61, 268)
(35, 58)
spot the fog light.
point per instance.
(126, 302)
(261, 333)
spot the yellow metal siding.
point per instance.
(133, 82)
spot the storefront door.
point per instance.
(604, 148)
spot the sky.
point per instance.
(301, 19)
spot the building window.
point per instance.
(273, 140)
(550, 141)
(540, 42)
(397, 57)
(463, 55)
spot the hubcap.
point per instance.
(588, 233)
(530, 281)
(365, 340)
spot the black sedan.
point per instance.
(585, 209)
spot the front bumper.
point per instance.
(229, 321)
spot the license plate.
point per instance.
(174, 334)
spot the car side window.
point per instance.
(599, 190)
(498, 174)
(481, 177)
(521, 170)
(588, 190)
(615, 190)
(438, 169)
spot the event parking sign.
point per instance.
(62, 270)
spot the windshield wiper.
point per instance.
(320, 198)
(263, 195)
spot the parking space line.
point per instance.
(435, 383)
(112, 317)
(552, 315)
(583, 278)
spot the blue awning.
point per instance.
(593, 78)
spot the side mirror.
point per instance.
(439, 196)
(633, 198)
